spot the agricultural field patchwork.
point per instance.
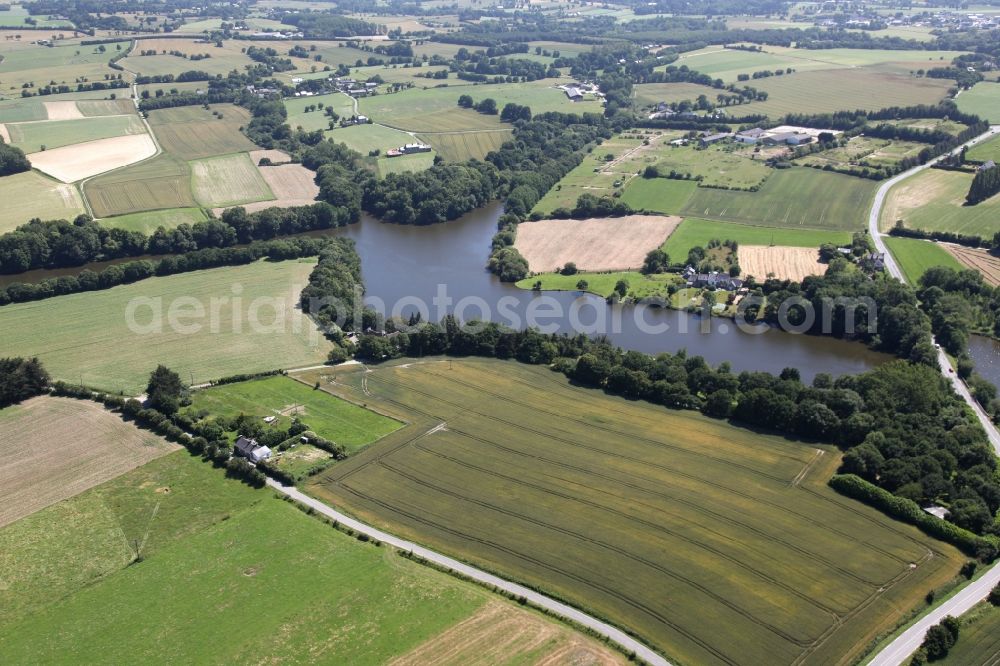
(985, 151)
(83, 160)
(207, 544)
(228, 180)
(35, 136)
(662, 195)
(366, 138)
(290, 184)
(982, 100)
(826, 91)
(55, 448)
(934, 200)
(634, 512)
(178, 604)
(598, 244)
(782, 262)
(609, 167)
(191, 132)
(31, 194)
(694, 232)
(915, 256)
(87, 338)
(162, 182)
(285, 398)
(977, 259)
(796, 198)
(317, 119)
(404, 163)
(462, 146)
(59, 550)
(717, 166)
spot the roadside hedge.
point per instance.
(985, 548)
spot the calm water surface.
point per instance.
(985, 353)
(403, 264)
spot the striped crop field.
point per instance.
(715, 544)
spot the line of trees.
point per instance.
(986, 184)
(62, 244)
(133, 271)
(904, 430)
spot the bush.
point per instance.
(984, 548)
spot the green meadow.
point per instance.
(328, 416)
(693, 232)
(915, 256)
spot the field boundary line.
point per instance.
(537, 599)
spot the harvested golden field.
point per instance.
(291, 184)
(83, 160)
(596, 244)
(54, 448)
(276, 156)
(500, 633)
(784, 263)
(977, 259)
(66, 110)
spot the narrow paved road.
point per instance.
(540, 600)
(900, 649)
(906, 643)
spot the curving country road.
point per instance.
(540, 600)
(908, 642)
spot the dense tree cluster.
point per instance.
(846, 303)
(334, 291)
(323, 25)
(938, 641)
(12, 160)
(20, 379)
(986, 184)
(443, 192)
(270, 58)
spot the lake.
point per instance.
(406, 267)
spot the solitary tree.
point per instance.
(164, 390)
